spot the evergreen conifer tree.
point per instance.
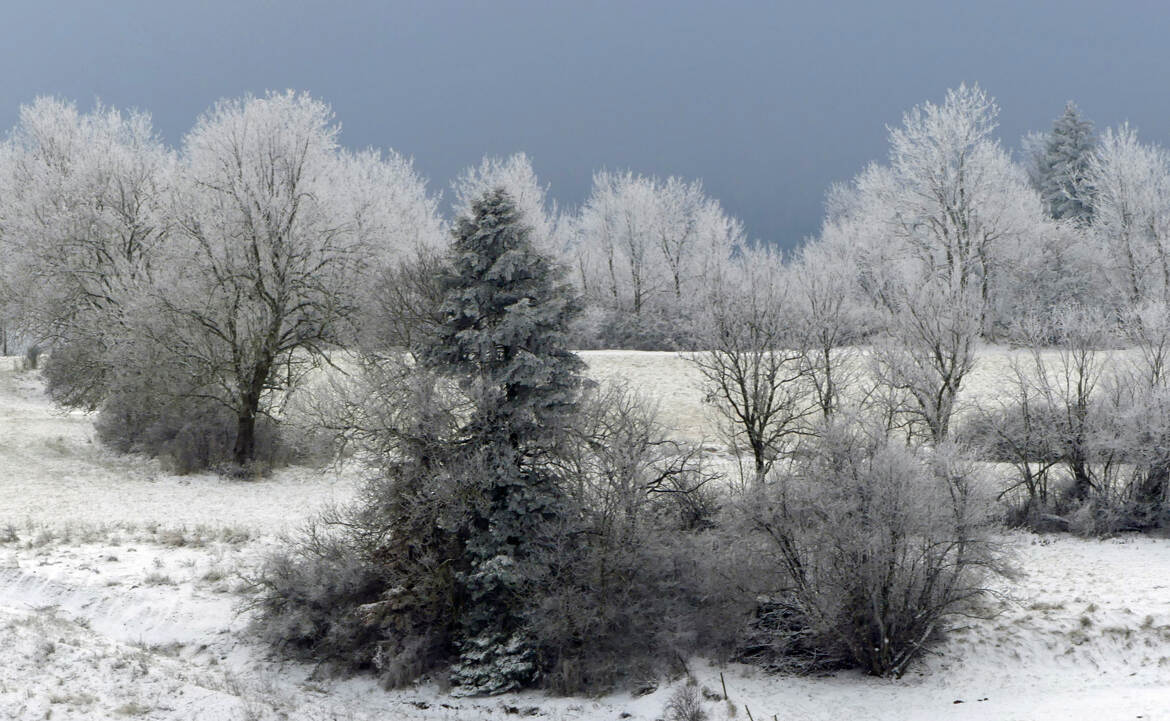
(503, 339)
(1063, 165)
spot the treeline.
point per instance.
(183, 292)
(232, 266)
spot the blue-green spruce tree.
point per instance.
(502, 337)
(1062, 168)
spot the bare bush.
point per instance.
(1021, 431)
(876, 546)
(685, 704)
(640, 572)
(1081, 427)
(314, 599)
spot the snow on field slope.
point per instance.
(54, 471)
(121, 590)
(675, 384)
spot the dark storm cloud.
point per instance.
(767, 102)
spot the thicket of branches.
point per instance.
(875, 544)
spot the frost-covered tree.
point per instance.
(752, 361)
(516, 175)
(502, 338)
(386, 201)
(645, 248)
(1131, 220)
(932, 233)
(949, 207)
(1059, 265)
(389, 204)
(953, 194)
(923, 327)
(1062, 167)
(9, 272)
(926, 352)
(828, 320)
(83, 207)
(275, 233)
(82, 219)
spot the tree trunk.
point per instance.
(245, 449)
(1082, 480)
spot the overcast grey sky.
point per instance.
(767, 102)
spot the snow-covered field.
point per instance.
(121, 590)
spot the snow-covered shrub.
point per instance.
(649, 330)
(614, 615)
(1049, 449)
(1085, 427)
(1027, 435)
(148, 404)
(875, 543)
(188, 435)
(685, 704)
(310, 600)
(374, 586)
(640, 572)
(76, 374)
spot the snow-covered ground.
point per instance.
(121, 590)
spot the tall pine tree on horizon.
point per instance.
(1062, 167)
(503, 339)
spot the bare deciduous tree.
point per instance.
(1052, 413)
(1131, 206)
(646, 246)
(751, 366)
(928, 349)
(82, 218)
(272, 242)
